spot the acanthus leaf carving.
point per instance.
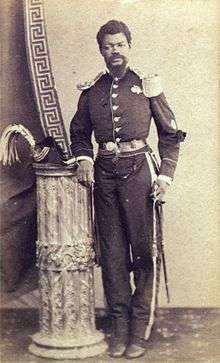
(77, 255)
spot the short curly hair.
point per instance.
(113, 27)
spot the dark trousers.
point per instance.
(124, 216)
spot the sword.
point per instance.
(158, 208)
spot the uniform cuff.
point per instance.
(70, 161)
(85, 158)
(167, 167)
(165, 178)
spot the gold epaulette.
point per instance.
(151, 83)
(88, 84)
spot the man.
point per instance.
(118, 106)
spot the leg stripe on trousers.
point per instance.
(154, 258)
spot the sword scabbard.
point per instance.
(157, 206)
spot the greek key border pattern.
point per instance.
(41, 73)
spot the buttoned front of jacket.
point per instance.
(118, 112)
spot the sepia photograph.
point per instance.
(110, 181)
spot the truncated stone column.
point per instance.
(65, 260)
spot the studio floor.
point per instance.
(180, 335)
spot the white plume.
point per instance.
(8, 143)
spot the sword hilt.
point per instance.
(154, 196)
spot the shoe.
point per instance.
(117, 350)
(134, 351)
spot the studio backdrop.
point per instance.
(179, 40)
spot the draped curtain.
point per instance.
(18, 201)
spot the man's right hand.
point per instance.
(85, 173)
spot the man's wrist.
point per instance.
(165, 178)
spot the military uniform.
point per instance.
(119, 111)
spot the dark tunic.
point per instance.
(119, 110)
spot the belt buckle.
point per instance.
(110, 146)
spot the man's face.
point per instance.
(115, 50)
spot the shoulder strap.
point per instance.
(151, 84)
(88, 84)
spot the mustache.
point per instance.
(117, 56)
